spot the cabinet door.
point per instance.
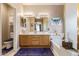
(21, 40)
(24, 40)
(44, 40)
(35, 40)
(28, 40)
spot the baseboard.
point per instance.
(35, 46)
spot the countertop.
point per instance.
(35, 33)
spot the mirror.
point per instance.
(38, 25)
(34, 24)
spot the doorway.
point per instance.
(7, 17)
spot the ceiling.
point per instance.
(42, 3)
(23, 4)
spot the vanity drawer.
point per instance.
(35, 42)
(35, 38)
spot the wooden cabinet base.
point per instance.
(36, 46)
(34, 41)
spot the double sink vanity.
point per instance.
(36, 40)
(34, 32)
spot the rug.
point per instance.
(34, 52)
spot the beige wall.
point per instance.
(6, 12)
(53, 10)
(0, 33)
(78, 17)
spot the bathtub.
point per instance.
(57, 39)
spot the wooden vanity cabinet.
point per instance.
(24, 40)
(34, 41)
(44, 40)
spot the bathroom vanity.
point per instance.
(34, 32)
(33, 40)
